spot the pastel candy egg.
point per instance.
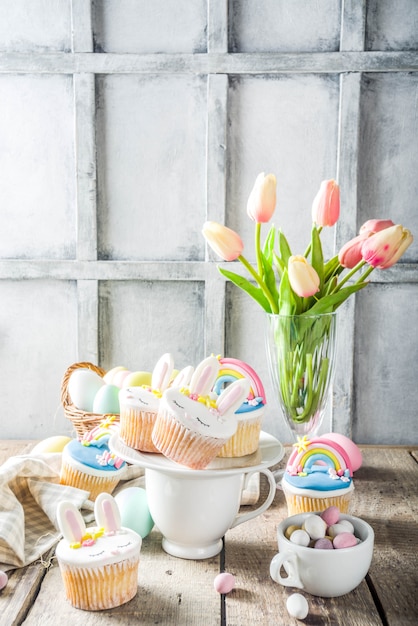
(134, 512)
(300, 537)
(344, 540)
(297, 606)
(324, 544)
(3, 579)
(290, 529)
(315, 526)
(331, 515)
(347, 525)
(106, 400)
(110, 374)
(336, 529)
(224, 583)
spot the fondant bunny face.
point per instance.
(215, 419)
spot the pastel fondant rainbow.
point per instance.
(319, 464)
(234, 369)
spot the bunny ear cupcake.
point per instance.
(139, 407)
(191, 427)
(99, 565)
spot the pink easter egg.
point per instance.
(344, 540)
(349, 446)
(3, 579)
(323, 544)
(224, 583)
(331, 515)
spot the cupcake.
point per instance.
(139, 407)
(88, 464)
(99, 565)
(251, 412)
(191, 426)
(319, 474)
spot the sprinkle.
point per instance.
(88, 542)
(302, 444)
(75, 545)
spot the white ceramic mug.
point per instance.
(193, 510)
(327, 573)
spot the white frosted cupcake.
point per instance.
(319, 474)
(99, 566)
(191, 427)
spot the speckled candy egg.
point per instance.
(224, 583)
(297, 606)
(3, 579)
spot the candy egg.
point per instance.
(347, 525)
(83, 385)
(344, 540)
(336, 529)
(297, 606)
(315, 526)
(300, 537)
(119, 377)
(3, 579)
(134, 511)
(51, 444)
(224, 583)
(331, 515)
(289, 530)
(106, 400)
(324, 544)
(110, 374)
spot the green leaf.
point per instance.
(329, 303)
(268, 248)
(332, 268)
(287, 301)
(280, 266)
(270, 277)
(245, 285)
(317, 258)
(285, 251)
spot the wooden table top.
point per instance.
(180, 592)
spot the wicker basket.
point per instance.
(83, 422)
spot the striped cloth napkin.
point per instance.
(29, 495)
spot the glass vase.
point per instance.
(301, 357)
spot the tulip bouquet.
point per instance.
(300, 293)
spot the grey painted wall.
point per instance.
(125, 124)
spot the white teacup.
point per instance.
(194, 510)
(327, 573)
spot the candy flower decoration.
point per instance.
(301, 292)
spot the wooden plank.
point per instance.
(353, 25)
(226, 63)
(217, 26)
(170, 591)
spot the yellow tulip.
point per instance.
(303, 279)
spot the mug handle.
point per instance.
(290, 559)
(244, 517)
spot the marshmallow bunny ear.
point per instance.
(106, 512)
(204, 376)
(233, 396)
(70, 522)
(183, 377)
(162, 372)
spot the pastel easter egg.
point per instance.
(297, 606)
(119, 377)
(300, 537)
(344, 540)
(51, 444)
(349, 446)
(137, 379)
(3, 579)
(289, 530)
(110, 374)
(134, 511)
(107, 400)
(324, 544)
(331, 515)
(336, 529)
(345, 523)
(224, 583)
(83, 386)
(315, 526)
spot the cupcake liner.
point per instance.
(99, 588)
(300, 503)
(245, 441)
(182, 445)
(87, 482)
(136, 428)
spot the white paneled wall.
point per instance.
(125, 124)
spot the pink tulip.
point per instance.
(326, 204)
(351, 252)
(385, 248)
(375, 226)
(223, 240)
(302, 277)
(262, 199)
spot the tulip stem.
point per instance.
(258, 249)
(260, 283)
(351, 273)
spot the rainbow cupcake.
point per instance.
(319, 474)
(251, 412)
(99, 565)
(88, 464)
